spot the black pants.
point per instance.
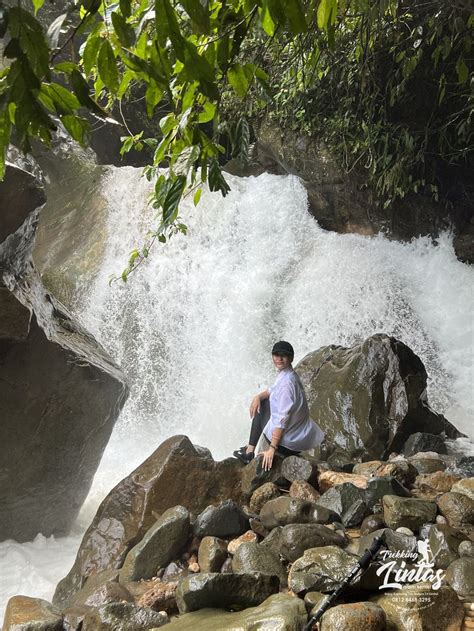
(258, 423)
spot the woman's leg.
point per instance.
(258, 423)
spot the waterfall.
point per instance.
(194, 325)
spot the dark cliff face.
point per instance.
(60, 393)
(342, 203)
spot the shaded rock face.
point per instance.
(252, 557)
(286, 510)
(408, 512)
(176, 473)
(460, 575)
(279, 612)
(296, 538)
(369, 398)
(225, 520)
(60, 395)
(224, 590)
(122, 617)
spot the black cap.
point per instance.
(283, 348)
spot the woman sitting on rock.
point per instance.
(280, 415)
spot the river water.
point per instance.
(192, 328)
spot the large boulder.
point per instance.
(224, 590)
(348, 501)
(320, 569)
(176, 473)
(457, 508)
(286, 510)
(122, 617)
(406, 511)
(60, 392)
(369, 398)
(225, 520)
(158, 547)
(418, 607)
(460, 575)
(280, 612)
(354, 617)
(296, 538)
(31, 614)
(252, 557)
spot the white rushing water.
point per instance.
(193, 327)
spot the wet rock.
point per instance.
(252, 557)
(31, 614)
(466, 549)
(253, 475)
(394, 541)
(264, 493)
(377, 487)
(422, 441)
(427, 465)
(73, 617)
(174, 571)
(286, 510)
(20, 193)
(247, 537)
(371, 523)
(159, 546)
(257, 527)
(348, 501)
(212, 554)
(95, 595)
(60, 393)
(419, 608)
(465, 487)
(123, 617)
(272, 540)
(460, 575)
(465, 467)
(444, 543)
(296, 538)
(457, 508)
(296, 468)
(225, 520)
(401, 470)
(369, 398)
(160, 597)
(409, 512)
(328, 479)
(280, 612)
(354, 617)
(174, 474)
(224, 590)
(433, 484)
(367, 468)
(301, 490)
(313, 600)
(320, 569)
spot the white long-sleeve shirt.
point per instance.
(289, 411)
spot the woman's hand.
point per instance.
(255, 406)
(267, 458)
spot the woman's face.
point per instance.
(281, 361)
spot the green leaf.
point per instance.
(216, 179)
(54, 30)
(91, 50)
(198, 14)
(37, 5)
(296, 16)
(268, 24)
(65, 101)
(239, 78)
(107, 67)
(197, 196)
(326, 15)
(153, 96)
(462, 70)
(172, 200)
(79, 128)
(5, 129)
(164, 9)
(66, 67)
(125, 8)
(208, 113)
(124, 31)
(29, 33)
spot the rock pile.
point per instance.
(243, 549)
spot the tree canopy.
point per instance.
(388, 84)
